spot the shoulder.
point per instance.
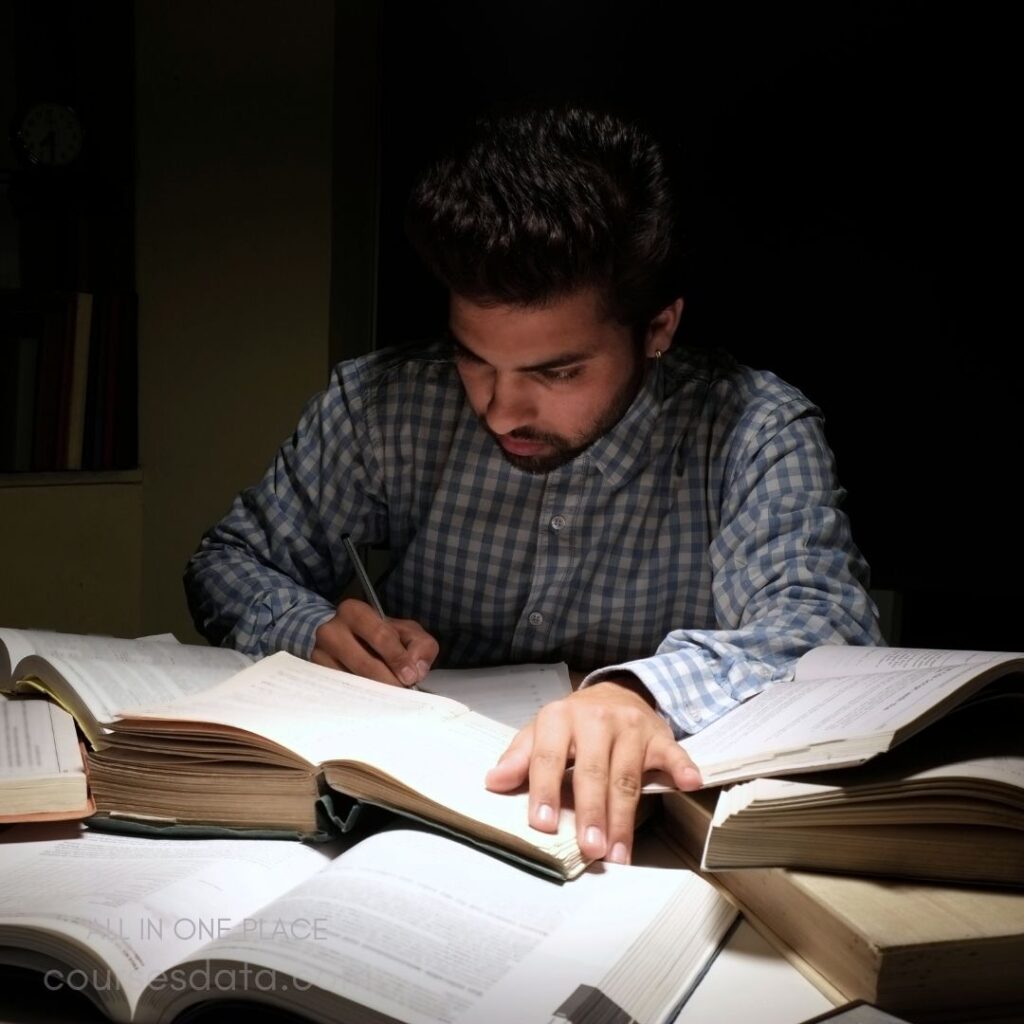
(398, 367)
(392, 382)
(732, 393)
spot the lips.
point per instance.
(517, 446)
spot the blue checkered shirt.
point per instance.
(699, 544)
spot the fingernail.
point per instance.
(545, 814)
(619, 854)
(408, 675)
(423, 668)
(693, 776)
(593, 836)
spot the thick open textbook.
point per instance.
(947, 804)
(93, 677)
(934, 952)
(844, 706)
(42, 764)
(405, 926)
(184, 739)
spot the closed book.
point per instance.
(932, 952)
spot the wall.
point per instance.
(72, 557)
(233, 253)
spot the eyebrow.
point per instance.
(559, 361)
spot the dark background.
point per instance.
(843, 177)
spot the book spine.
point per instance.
(81, 321)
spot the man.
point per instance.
(557, 480)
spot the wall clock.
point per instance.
(49, 135)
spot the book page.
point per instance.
(139, 904)
(966, 768)
(310, 710)
(94, 686)
(448, 768)
(845, 660)
(425, 929)
(856, 713)
(42, 772)
(16, 644)
(432, 745)
(510, 694)
(38, 739)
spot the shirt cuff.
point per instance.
(294, 630)
(683, 684)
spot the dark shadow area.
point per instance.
(843, 181)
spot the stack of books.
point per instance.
(869, 816)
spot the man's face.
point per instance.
(545, 381)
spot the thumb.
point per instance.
(513, 767)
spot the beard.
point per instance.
(565, 449)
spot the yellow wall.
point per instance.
(233, 228)
(233, 258)
(72, 558)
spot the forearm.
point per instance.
(787, 578)
(238, 601)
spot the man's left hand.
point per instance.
(612, 735)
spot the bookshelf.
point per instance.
(68, 309)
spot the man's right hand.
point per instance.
(395, 651)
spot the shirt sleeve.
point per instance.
(787, 576)
(271, 571)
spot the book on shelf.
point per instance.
(68, 380)
(844, 706)
(947, 804)
(42, 764)
(81, 332)
(933, 952)
(189, 737)
(405, 925)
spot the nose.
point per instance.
(509, 406)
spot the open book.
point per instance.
(844, 706)
(405, 926)
(946, 804)
(933, 952)
(42, 766)
(184, 739)
(93, 677)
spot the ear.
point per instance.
(662, 329)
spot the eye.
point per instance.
(464, 357)
(560, 375)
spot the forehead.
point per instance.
(572, 324)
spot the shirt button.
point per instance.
(536, 618)
(557, 522)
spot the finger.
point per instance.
(552, 743)
(625, 784)
(420, 646)
(513, 767)
(590, 779)
(383, 655)
(665, 754)
(321, 657)
(338, 647)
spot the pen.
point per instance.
(367, 584)
(364, 576)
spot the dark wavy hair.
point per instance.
(537, 203)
